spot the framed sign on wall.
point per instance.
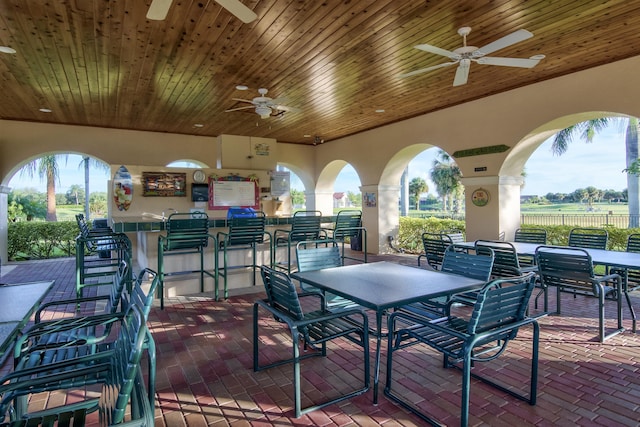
(233, 191)
(480, 197)
(164, 184)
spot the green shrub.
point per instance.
(411, 229)
(41, 240)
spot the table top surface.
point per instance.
(598, 256)
(18, 303)
(382, 285)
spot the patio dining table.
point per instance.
(609, 258)
(17, 304)
(381, 286)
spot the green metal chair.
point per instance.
(589, 238)
(458, 261)
(79, 366)
(348, 225)
(91, 269)
(505, 259)
(315, 328)
(115, 401)
(571, 270)
(52, 340)
(245, 232)
(530, 235)
(317, 255)
(187, 233)
(630, 276)
(435, 245)
(305, 225)
(498, 313)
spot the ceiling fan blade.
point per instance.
(239, 108)
(508, 62)
(424, 70)
(437, 51)
(159, 9)
(462, 74)
(286, 108)
(242, 12)
(503, 42)
(242, 100)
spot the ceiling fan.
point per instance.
(159, 9)
(264, 106)
(463, 56)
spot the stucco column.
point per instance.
(4, 222)
(380, 216)
(500, 216)
(320, 201)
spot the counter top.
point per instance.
(153, 222)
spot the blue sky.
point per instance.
(599, 164)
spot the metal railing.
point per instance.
(580, 220)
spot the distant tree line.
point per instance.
(587, 195)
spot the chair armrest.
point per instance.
(38, 330)
(70, 301)
(50, 373)
(608, 278)
(329, 316)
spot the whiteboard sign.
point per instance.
(226, 194)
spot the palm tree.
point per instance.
(445, 174)
(587, 131)
(417, 186)
(46, 167)
(86, 163)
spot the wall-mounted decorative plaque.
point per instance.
(164, 184)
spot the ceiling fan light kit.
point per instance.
(264, 106)
(464, 55)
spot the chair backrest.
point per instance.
(246, 230)
(434, 245)
(117, 391)
(458, 261)
(139, 297)
(563, 266)
(505, 257)
(281, 292)
(118, 289)
(318, 254)
(633, 243)
(348, 224)
(186, 230)
(454, 236)
(531, 235)
(591, 238)
(501, 302)
(305, 225)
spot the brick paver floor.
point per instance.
(205, 374)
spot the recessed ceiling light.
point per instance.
(198, 125)
(242, 87)
(380, 111)
(537, 57)
(45, 110)
(7, 49)
(307, 136)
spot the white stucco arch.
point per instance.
(7, 178)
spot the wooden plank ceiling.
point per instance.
(102, 63)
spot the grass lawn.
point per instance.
(575, 208)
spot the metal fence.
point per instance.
(573, 220)
(579, 220)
